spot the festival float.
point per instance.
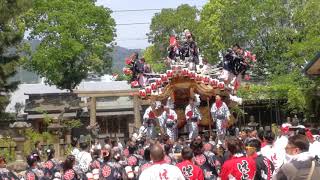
(181, 81)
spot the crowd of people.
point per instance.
(250, 155)
(167, 121)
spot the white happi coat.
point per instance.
(278, 153)
(314, 148)
(164, 120)
(192, 126)
(161, 172)
(221, 117)
(83, 160)
(150, 128)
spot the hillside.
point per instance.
(118, 62)
(119, 54)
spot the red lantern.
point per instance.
(169, 74)
(134, 84)
(164, 77)
(198, 78)
(148, 90)
(159, 82)
(206, 80)
(192, 75)
(221, 85)
(185, 71)
(154, 86)
(142, 93)
(213, 82)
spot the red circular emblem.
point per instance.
(132, 161)
(106, 171)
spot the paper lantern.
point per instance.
(153, 86)
(198, 78)
(164, 77)
(213, 82)
(192, 75)
(185, 72)
(169, 74)
(206, 80)
(148, 90)
(142, 93)
(159, 82)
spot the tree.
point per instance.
(11, 35)
(153, 57)
(283, 34)
(75, 36)
(171, 21)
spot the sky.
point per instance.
(134, 36)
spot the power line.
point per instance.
(142, 10)
(137, 10)
(137, 23)
(132, 39)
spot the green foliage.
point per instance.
(153, 57)
(11, 35)
(8, 152)
(238, 111)
(171, 21)
(278, 32)
(291, 87)
(32, 136)
(74, 40)
(73, 123)
(283, 35)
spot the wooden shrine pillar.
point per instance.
(136, 110)
(93, 106)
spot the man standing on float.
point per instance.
(220, 114)
(149, 121)
(168, 122)
(193, 118)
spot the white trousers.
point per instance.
(193, 130)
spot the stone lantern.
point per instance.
(55, 128)
(252, 122)
(19, 127)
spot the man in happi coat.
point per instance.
(168, 121)
(193, 118)
(220, 114)
(149, 121)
